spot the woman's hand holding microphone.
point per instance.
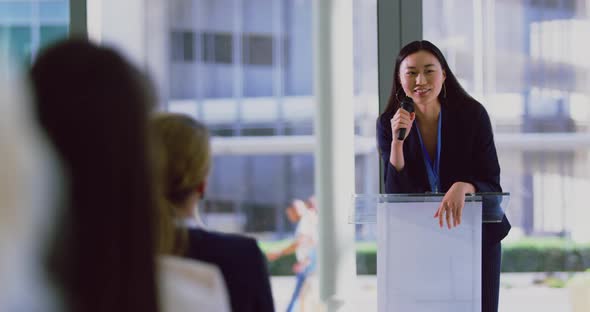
(401, 122)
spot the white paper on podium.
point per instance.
(422, 267)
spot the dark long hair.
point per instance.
(454, 92)
(94, 107)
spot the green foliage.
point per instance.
(366, 258)
(282, 266)
(526, 255)
(270, 246)
(545, 255)
(555, 282)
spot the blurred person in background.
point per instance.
(304, 245)
(186, 152)
(29, 190)
(312, 203)
(94, 108)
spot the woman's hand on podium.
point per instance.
(451, 207)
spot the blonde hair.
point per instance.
(185, 161)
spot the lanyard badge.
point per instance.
(433, 170)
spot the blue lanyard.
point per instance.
(432, 171)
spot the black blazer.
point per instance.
(242, 264)
(468, 154)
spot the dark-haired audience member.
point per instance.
(94, 108)
(187, 154)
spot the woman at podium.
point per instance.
(434, 137)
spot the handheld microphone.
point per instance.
(408, 104)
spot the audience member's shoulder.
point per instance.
(186, 284)
(226, 239)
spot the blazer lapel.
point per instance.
(415, 152)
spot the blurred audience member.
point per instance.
(189, 286)
(29, 186)
(187, 154)
(184, 281)
(94, 105)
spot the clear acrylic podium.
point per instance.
(420, 266)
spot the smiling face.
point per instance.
(422, 77)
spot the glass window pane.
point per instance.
(49, 34)
(18, 40)
(15, 11)
(527, 62)
(176, 46)
(257, 50)
(223, 47)
(258, 16)
(217, 15)
(217, 48)
(54, 11)
(258, 81)
(219, 82)
(188, 42)
(298, 51)
(235, 88)
(183, 46)
(25, 33)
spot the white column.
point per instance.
(488, 15)
(157, 47)
(334, 154)
(139, 30)
(478, 48)
(120, 24)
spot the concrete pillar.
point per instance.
(334, 153)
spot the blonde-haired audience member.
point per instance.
(187, 160)
(184, 283)
(187, 285)
(29, 186)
